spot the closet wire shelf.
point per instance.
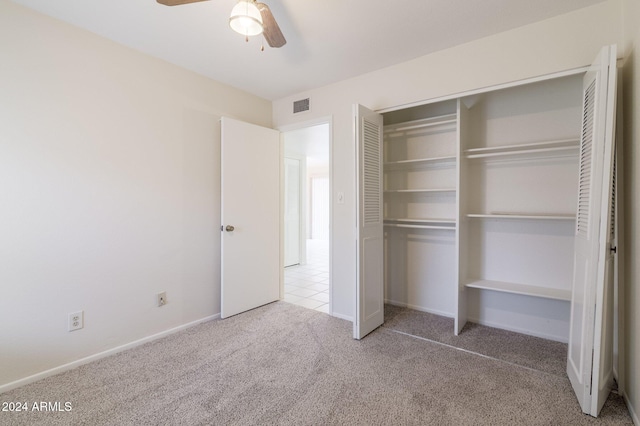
(522, 216)
(546, 147)
(446, 224)
(522, 289)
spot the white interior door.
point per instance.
(250, 185)
(590, 353)
(370, 248)
(292, 211)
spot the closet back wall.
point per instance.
(420, 207)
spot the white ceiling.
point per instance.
(327, 40)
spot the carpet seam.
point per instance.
(469, 352)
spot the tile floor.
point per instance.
(308, 285)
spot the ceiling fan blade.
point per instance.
(272, 32)
(177, 2)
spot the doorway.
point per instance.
(306, 217)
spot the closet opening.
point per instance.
(479, 204)
(420, 207)
(498, 211)
(480, 198)
(306, 217)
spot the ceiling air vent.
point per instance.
(301, 105)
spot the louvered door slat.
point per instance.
(586, 148)
(372, 174)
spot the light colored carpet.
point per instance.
(527, 351)
(283, 364)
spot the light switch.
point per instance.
(340, 197)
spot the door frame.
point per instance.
(328, 120)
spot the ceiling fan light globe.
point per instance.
(246, 18)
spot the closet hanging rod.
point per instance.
(521, 216)
(422, 160)
(418, 191)
(400, 225)
(423, 125)
(559, 142)
(416, 220)
(522, 152)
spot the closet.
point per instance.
(480, 205)
(518, 185)
(497, 207)
(420, 164)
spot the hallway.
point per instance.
(308, 285)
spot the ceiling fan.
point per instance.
(249, 18)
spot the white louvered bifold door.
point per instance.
(370, 250)
(589, 358)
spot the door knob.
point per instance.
(229, 228)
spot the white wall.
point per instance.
(564, 42)
(109, 183)
(631, 194)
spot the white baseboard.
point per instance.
(62, 368)
(520, 330)
(344, 317)
(403, 305)
(632, 410)
(419, 308)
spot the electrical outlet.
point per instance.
(76, 321)
(162, 298)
